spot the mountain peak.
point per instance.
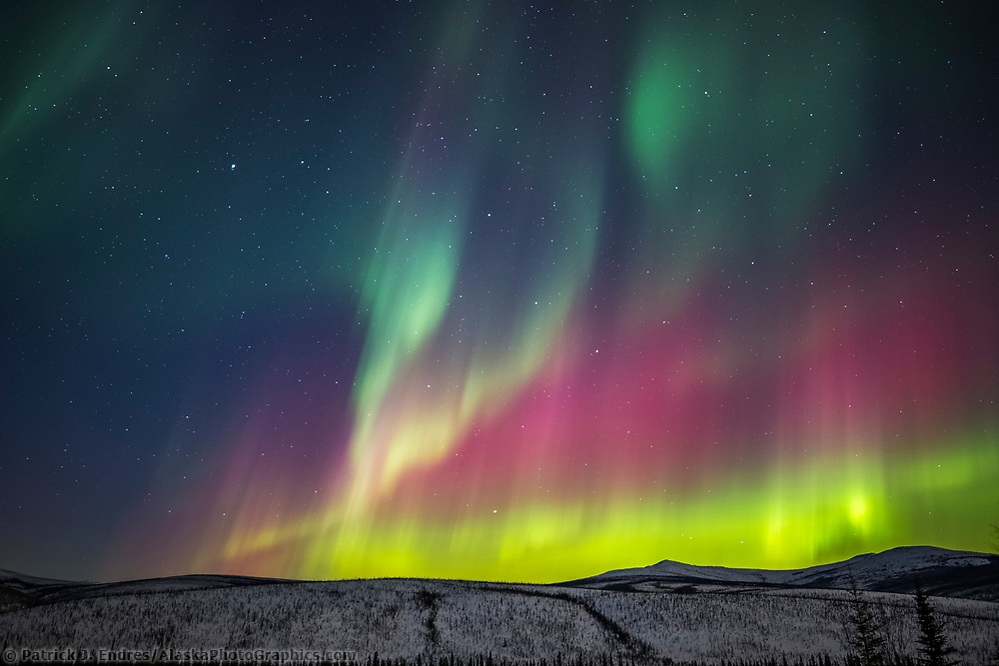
(939, 571)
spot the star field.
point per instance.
(494, 291)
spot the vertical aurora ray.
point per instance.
(407, 293)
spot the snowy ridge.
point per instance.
(23, 582)
(938, 570)
(51, 590)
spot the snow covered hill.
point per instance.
(23, 590)
(938, 571)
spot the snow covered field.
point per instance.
(403, 618)
(667, 611)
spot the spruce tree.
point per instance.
(867, 638)
(932, 640)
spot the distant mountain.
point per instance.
(940, 572)
(20, 590)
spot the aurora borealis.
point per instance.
(494, 291)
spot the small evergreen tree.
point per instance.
(932, 640)
(867, 638)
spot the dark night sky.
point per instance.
(494, 290)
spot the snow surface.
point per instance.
(406, 618)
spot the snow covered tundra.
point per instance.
(669, 612)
